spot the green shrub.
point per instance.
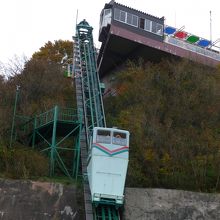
(22, 163)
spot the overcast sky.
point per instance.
(26, 25)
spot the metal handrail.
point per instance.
(28, 124)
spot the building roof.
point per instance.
(113, 2)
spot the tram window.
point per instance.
(103, 136)
(119, 138)
(141, 23)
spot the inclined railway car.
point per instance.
(107, 165)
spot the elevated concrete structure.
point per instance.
(126, 33)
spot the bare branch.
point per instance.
(14, 66)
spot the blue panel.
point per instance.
(169, 30)
(204, 43)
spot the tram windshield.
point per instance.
(119, 138)
(103, 136)
(109, 137)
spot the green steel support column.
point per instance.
(103, 213)
(14, 114)
(109, 213)
(34, 132)
(74, 159)
(90, 98)
(53, 145)
(114, 214)
(78, 144)
(91, 83)
(77, 158)
(61, 163)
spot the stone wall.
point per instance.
(161, 204)
(29, 200)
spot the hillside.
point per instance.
(42, 85)
(172, 112)
(170, 108)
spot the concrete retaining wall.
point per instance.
(161, 204)
(29, 200)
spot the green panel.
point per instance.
(192, 39)
(102, 85)
(66, 73)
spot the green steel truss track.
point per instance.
(106, 212)
(90, 104)
(85, 66)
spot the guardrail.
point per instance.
(26, 125)
(194, 48)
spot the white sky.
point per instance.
(26, 25)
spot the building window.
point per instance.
(129, 18)
(141, 23)
(135, 20)
(122, 16)
(132, 19)
(117, 14)
(148, 25)
(107, 12)
(126, 17)
(159, 29)
(154, 27)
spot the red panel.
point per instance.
(181, 34)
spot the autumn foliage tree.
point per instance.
(42, 86)
(42, 83)
(172, 111)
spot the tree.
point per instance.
(42, 85)
(41, 81)
(54, 52)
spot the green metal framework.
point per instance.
(92, 96)
(50, 131)
(106, 213)
(90, 103)
(57, 134)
